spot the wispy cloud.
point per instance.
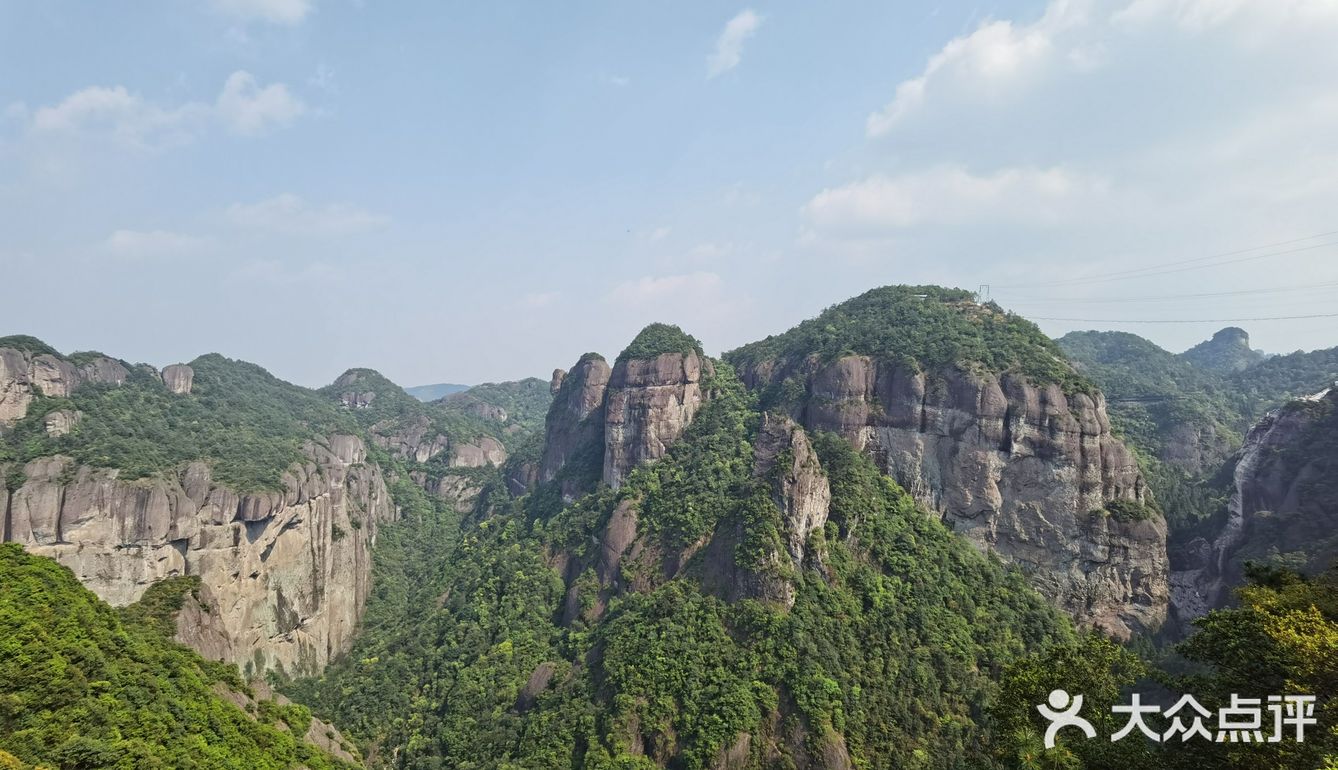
(290, 214)
(729, 46)
(152, 244)
(654, 290)
(951, 195)
(284, 12)
(243, 107)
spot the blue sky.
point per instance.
(482, 191)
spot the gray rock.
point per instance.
(1021, 470)
(649, 404)
(285, 573)
(178, 378)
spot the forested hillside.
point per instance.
(895, 631)
(86, 686)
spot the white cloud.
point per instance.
(729, 46)
(286, 12)
(994, 56)
(1004, 62)
(658, 290)
(660, 233)
(151, 244)
(290, 214)
(248, 109)
(242, 106)
(539, 299)
(951, 195)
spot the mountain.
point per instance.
(435, 392)
(86, 686)
(695, 581)
(214, 469)
(979, 416)
(877, 539)
(1283, 508)
(1228, 351)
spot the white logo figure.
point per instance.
(1063, 714)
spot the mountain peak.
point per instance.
(1227, 351)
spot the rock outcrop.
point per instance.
(650, 402)
(1022, 470)
(783, 456)
(286, 572)
(25, 375)
(1283, 507)
(178, 378)
(1228, 351)
(575, 420)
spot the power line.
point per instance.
(1169, 297)
(1193, 263)
(1185, 320)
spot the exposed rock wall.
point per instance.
(1283, 506)
(24, 376)
(287, 572)
(1024, 471)
(650, 403)
(575, 419)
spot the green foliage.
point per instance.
(26, 344)
(924, 327)
(249, 425)
(657, 339)
(526, 402)
(81, 687)
(1131, 510)
(1282, 639)
(1094, 667)
(887, 651)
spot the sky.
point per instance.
(470, 192)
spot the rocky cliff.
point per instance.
(1283, 507)
(649, 403)
(1015, 461)
(285, 573)
(27, 372)
(575, 424)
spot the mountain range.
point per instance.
(876, 539)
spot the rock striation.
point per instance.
(1283, 507)
(1026, 471)
(286, 572)
(575, 421)
(178, 378)
(649, 403)
(24, 375)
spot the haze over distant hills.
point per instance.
(434, 392)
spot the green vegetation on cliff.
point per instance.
(83, 686)
(1281, 639)
(922, 327)
(657, 339)
(247, 423)
(482, 650)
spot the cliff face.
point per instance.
(25, 375)
(1283, 506)
(650, 402)
(286, 572)
(1024, 471)
(575, 420)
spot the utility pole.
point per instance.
(983, 293)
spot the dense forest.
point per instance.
(86, 686)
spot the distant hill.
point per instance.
(1228, 351)
(435, 392)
